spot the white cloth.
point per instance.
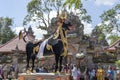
(41, 49)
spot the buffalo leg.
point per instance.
(60, 66)
(56, 64)
(33, 61)
(28, 60)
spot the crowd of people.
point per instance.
(8, 72)
(95, 73)
(92, 73)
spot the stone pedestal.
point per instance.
(44, 76)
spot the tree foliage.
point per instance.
(71, 3)
(5, 31)
(99, 36)
(111, 20)
(40, 11)
(113, 38)
(110, 24)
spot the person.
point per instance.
(100, 73)
(37, 69)
(45, 69)
(110, 73)
(66, 68)
(88, 73)
(70, 70)
(1, 72)
(79, 73)
(92, 74)
(115, 75)
(5, 71)
(74, 72)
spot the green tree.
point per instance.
(5, 31)
(99, 36)
(39, 12)
(113, 38)
(111, 20)
(111, 23)
(71, 3)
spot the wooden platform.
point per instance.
(43, 76)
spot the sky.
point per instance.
(17, 10)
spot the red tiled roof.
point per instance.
(11, 45)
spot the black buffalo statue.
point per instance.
(56, 44)
(31, 48)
